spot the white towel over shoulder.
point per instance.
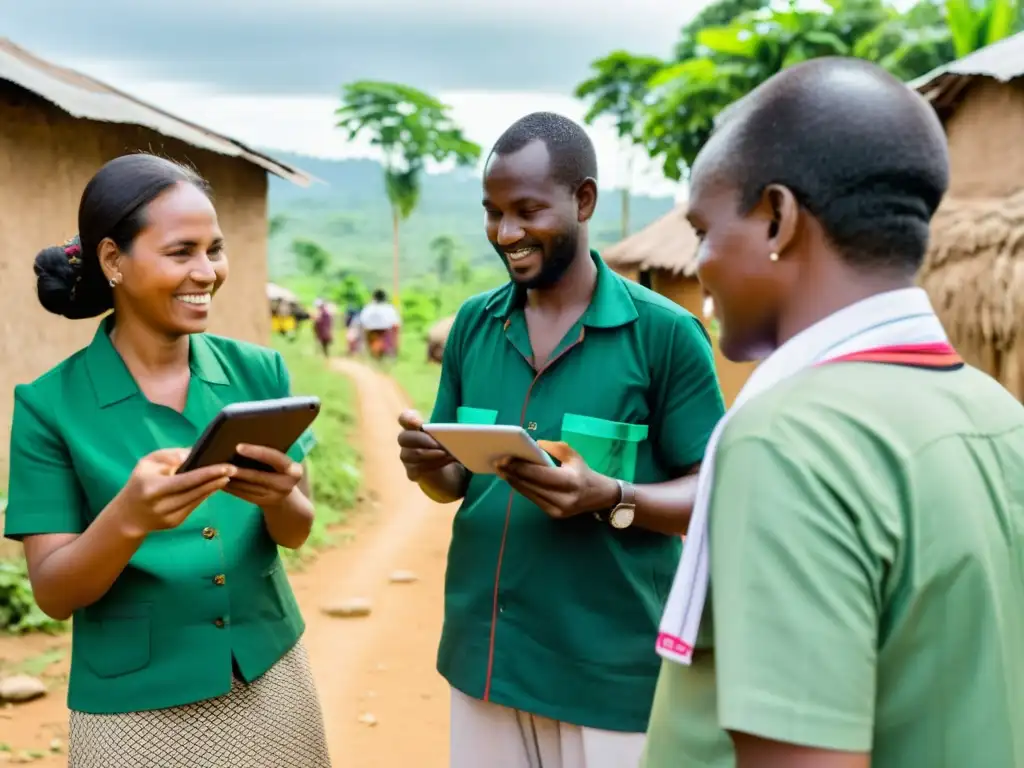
(894, 318)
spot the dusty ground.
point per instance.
(381, 665)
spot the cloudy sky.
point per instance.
(268, 72)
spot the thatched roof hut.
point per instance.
(437, 338)
(663, 257)
(974, 270)
(666, 245)
(57, 127)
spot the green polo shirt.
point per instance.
(867, 556)
(559, 617)
(191, 599)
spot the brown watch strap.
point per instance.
(628, 494)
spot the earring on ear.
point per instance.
(773, 256)
(115, 280)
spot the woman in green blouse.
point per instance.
(186, 646)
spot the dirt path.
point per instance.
(381, 665)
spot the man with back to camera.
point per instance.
(557, 576)
(866, 501)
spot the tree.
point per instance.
(907, 43)
(617, 89)
(443, 248)
(974, 25)
(464, 271)
(409, 127)
(276, 224)
(733, 46)
(349, 290)
(312, 257)
(736, 58)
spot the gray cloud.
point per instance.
(312, 46)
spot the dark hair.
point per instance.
(379, 295)
(862, 153)
(572, 154)
(69, 280)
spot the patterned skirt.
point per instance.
(273, 722)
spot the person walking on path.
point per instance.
(556, 576)
(186, 634)
(323, 326)
(865, 493)
(380, 323)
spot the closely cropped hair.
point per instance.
(572, 153)
(69, 280)
(870, 162)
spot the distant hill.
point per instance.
(348, 214)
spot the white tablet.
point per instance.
(480, 446)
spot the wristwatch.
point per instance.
(621, 515)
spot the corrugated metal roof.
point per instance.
(1002, 61)
(83, 97)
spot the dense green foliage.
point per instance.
(732, 46)
(18, 610)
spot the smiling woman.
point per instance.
(186, 632)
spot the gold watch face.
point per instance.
(622, 516)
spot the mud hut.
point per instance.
(437, 338)
(663, 257)
(57, 127)
(974, 270)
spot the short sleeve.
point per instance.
(307, 440)
(688, 401)
(449, 388)
(794, 601)
(44, 494)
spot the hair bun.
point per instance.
(56, 277)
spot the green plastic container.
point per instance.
(466, 415)
(608, 447)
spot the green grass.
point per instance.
(333, 465)
(416, 375)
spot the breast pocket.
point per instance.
(608, 447)
(466, 415)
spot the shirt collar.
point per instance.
(112, 380)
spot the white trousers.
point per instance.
(485, 735)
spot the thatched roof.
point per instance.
(276, 292)
(974, 273)
(84, 97)
(667, 244)
(438, 333)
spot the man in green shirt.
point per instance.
(866, 493)
(557, 576)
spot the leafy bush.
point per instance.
(18, 610)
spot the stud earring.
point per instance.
(709, 308)
(115, 280)
(773, 256)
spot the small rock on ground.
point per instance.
(367, 719)
(19, 688)
(403, 577)
(351, 608)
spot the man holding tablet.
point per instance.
(557, 575)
